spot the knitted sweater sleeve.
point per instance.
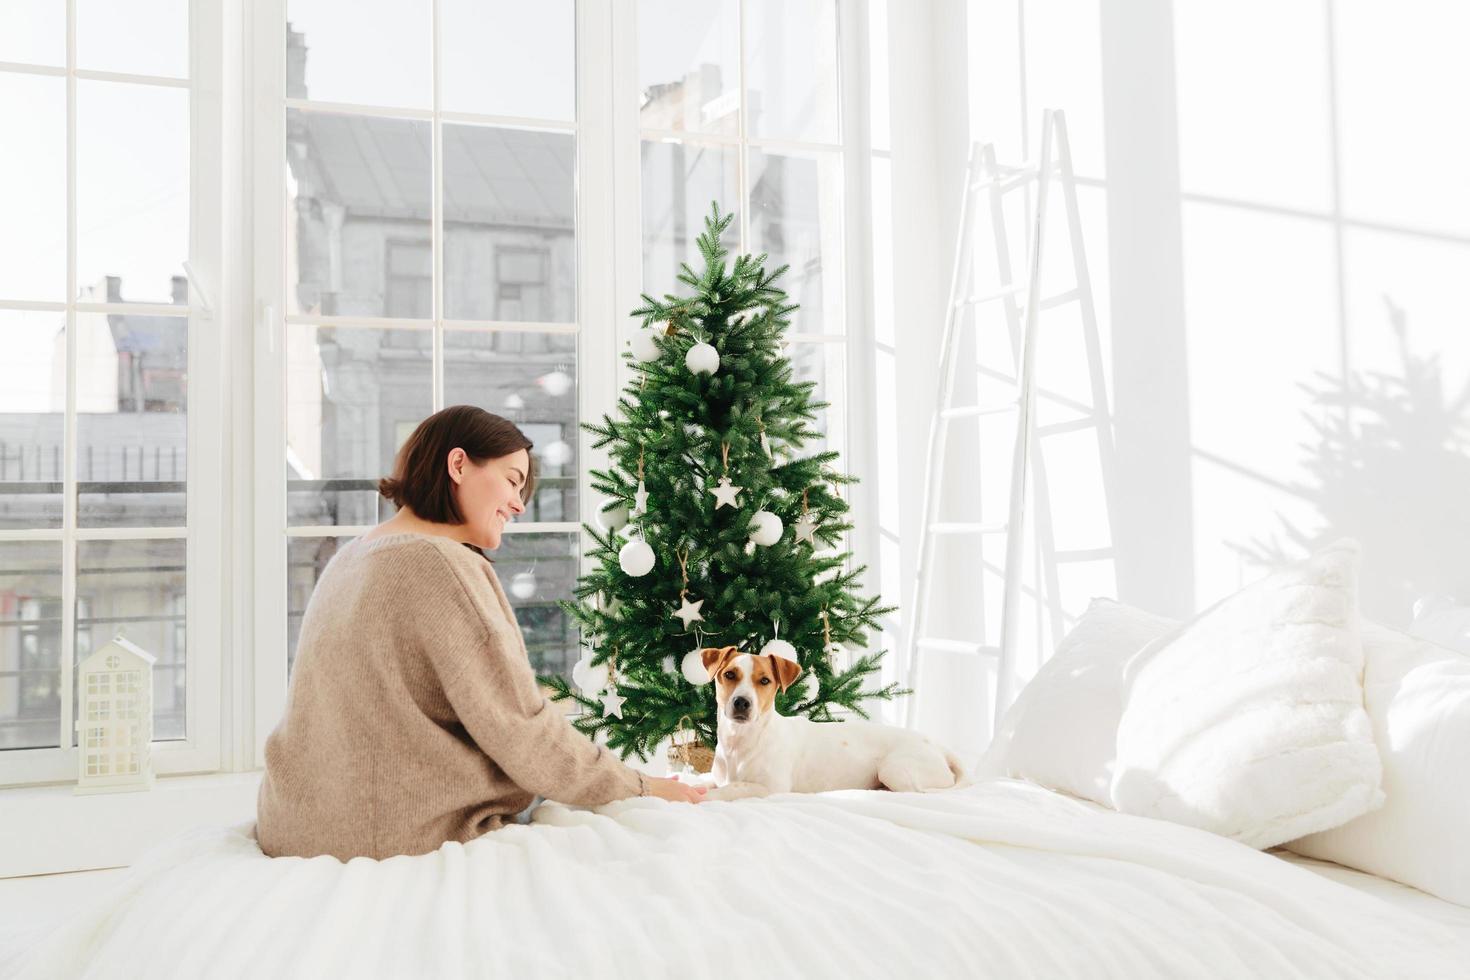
(493, 690)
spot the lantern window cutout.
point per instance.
(115, 719)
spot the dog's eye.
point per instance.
(765, 680)
(731, 676)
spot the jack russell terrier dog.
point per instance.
(761, 752)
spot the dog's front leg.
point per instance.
(737, 791)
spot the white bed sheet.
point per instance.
(1002, 879)
(1402, 897)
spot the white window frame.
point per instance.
(608, 218)
(595, 346)
(199, 751)
(859, 448)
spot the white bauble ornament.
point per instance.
(613, 517)
(779, 648)
(702, 359)
(765, 528)
(515, 402)
(555, 384)
(556, 453)
(693, 668)
(636, 557)
(523, 585)
(644, 345)
(588, 678)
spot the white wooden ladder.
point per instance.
(984, 178)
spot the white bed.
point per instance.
(1002, 879)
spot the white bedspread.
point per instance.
(998, 880)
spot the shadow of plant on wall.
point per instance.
(1391, 467)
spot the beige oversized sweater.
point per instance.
(414, 716)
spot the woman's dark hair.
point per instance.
(420, 479)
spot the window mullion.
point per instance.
(436, 166)
(742, 166)
(69, 422)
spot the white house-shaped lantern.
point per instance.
(115, 719)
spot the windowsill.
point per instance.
(50, 829)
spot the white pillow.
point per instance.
(1442, 620)
(1061, 730)
(1418, 697)
(1249, 721)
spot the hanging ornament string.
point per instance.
(830, 650)
(687, 611)
(806, 524)
(640, 497)
(725, 492)
(779, 647)
(612, 701)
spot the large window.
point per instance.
(738, 103)
(99, 507)
(429, 240)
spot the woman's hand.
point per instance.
(673, 790)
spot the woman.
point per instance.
(414, 717)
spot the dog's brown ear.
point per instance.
(787, 671)
(714, 658)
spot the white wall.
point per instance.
(1277, 220)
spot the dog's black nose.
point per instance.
(741, 705)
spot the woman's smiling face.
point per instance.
(489, 493)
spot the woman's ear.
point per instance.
(456, 463)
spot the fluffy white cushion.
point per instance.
(1418, 697)
(1249, 721)
(1061, 730)
(1442, 620)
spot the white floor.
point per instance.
(40, 900)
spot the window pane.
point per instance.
(132, 434)
(489, 48)
(136, 588)
(33, 187)
(529, 378)
(680, 181)
(509, 217)
(306, 558)
(132, 192)
(359, 194)
(353, 395)
(688, 65)
(878, 84)
(372, 52)
(33, 32)
(144, 38)
(791, 71)
(32, 399)
(30, 644)
(537, 571)
(823, 363)
(796, 217)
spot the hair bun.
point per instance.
(391, 489)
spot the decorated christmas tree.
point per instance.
(716, 530)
